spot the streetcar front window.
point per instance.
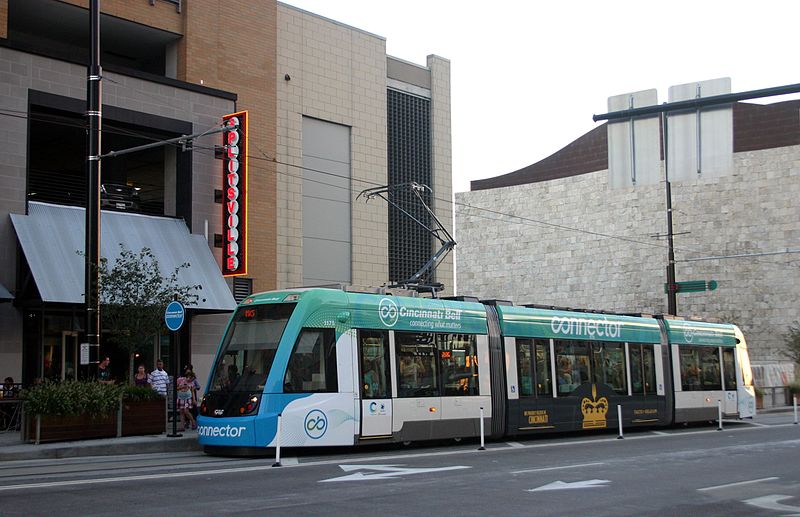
(249, 347)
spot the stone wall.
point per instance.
(575, 242)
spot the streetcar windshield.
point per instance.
(249, 347)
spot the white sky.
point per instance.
(527, 76)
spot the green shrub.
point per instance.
(136, 393)
(758, 391)
(794, 388)
(72, 398)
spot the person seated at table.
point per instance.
(9, 389)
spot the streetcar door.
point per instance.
(375, 385)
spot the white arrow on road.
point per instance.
(770, 502)
(560, 485)
(385, 472)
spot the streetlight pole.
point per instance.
(94, 118)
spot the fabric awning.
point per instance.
(52, 238)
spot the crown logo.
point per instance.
(594, 411)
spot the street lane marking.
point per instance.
(660, 433)
(385, 471)
(770, 502)
(736, 484)
(515, 444)
(561, 485)
(544, 469)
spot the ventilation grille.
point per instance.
(409, 138)
(242, 288)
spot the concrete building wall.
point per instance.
(442, 167)
(337, 74)
(533, 255)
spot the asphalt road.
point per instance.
(744, 470)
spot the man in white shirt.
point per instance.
(158, 378)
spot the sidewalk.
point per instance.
(12, 448)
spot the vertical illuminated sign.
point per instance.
(234, 195)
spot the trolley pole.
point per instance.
(719, 414)
(794, 398)
(278, 444)
(619, 417)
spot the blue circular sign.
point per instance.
(174, 315)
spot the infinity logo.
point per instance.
(316, 424)
(388, 312)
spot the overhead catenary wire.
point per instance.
(513, 218)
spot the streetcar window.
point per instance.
(709, 365)
(608, 366)
(459, 364)
(690, 369)
(374, 347)
(700, 368)
(533, 361)
(416, 364)
(643, 369)
(729, 367)
(312, 366)
(525, 365)
(572, 365)
(649, 368)
(544, 385)
(637, 383)
(249, 347)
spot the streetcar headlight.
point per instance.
(250, 406)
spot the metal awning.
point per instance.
(5, 295)
(52, 238)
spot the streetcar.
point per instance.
(333, 367)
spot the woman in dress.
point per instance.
(186, 402)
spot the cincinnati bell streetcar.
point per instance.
(347, 368)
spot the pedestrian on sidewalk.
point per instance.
(140, 378)
(104, 372)
(159, 379)
(186, 403)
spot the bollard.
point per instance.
(619, 416)
(719, 415)
(482, 448)
(794, 398)
(278, 444)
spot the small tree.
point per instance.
(792, 340)
(134, 295)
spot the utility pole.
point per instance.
(672, 286)
(94, 118)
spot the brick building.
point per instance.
(573, 230)
(174, 68)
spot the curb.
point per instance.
(107, 447)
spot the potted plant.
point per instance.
(792, 392)
(759, 397)
(143, 411)
(70, 411)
